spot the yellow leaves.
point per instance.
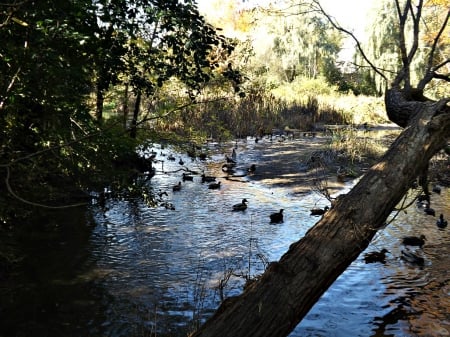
(444, 3)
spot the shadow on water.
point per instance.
(139, 271)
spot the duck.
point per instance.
(181, 162)
(441, 223)
(277, 217)
(177, 187)
(187, 177)
(376, 256)
(230, 160)
(171, 157)
(414, 240)
(319, 211)
(436, 189)
(252, 168)
(429, 211)
(228, 168)
(206, 178)
(423, 199)
(233, 155)
(412, 258)
(214, 186)
(241, 206)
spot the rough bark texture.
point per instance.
(275, 304)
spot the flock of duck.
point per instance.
(229, 168)
(423, 201)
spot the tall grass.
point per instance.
(220, 115)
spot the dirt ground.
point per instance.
(309, 163)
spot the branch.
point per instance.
(146, 119)
(11, 191)
(339, 28)
(403, 74)
(430, 70)
(442, 77)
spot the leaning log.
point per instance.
(278, 301)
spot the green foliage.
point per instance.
(55, 54)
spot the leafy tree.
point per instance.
(56, 54)
(292, 42)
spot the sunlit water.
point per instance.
(154, 271)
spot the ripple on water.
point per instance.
(174, 260)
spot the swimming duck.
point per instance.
(436, 189)
(228, 168)
(319, 211)
(414, 241)
(252, 168)
(177, 187)
(233, 155)
(429, 211)
(171, 157)
(214, 186)
(181, 162)
(376, 256)
(187, 177)
(241, 206)
(277, 217)
(230, 160)
(412, 258)
(441, 223)
(423, 199)
(207, 178)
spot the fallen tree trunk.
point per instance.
(275, 304)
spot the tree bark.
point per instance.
(137, 108)
(278, 301)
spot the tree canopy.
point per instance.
(56, 56)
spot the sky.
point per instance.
(350, 14)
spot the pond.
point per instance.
(129, 270)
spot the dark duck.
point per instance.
(376, 256)
(277, 217)
(188, 177)
(177, 187)
(207, 179)
(241, 206)
(214, 186)
(412, 258)
(319, 211)
(414, 241)
(441, 223)
(429, 211)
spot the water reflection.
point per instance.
(158, 271)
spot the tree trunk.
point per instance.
(137, 108)
(275, 304)
(99, 105)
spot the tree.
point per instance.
(55, 55)
(279, 300)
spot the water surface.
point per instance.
(129, 270)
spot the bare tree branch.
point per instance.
(430, 71)
(358, 44)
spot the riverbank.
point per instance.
(328, 161)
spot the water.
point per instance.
(130, 270)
